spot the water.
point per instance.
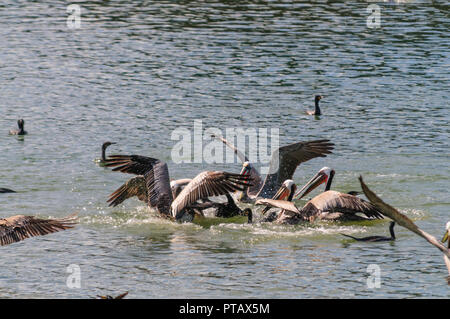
(135, 71)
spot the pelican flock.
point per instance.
(276, 195)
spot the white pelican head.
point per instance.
(325, 175)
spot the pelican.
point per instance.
(20, 131)
(283, 164)
(286, 192)
(17, 228)
(6, 190)
(316, 111)
(136, 186)
(376, 238)
(404, 221)
(330, 205)
(159, 193)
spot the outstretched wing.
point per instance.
(285, 160)
(283, 204)
(158, 188)
(131, 164)
(135, 186)
(254, 174)
(19, 227)
(207, 184)
(402, 220)
(332, 201)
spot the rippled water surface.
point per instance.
(137, 70)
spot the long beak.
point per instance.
(282, 194)
(445, 237)
(318, 179)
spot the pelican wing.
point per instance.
(158, 188)
(254, 174)
(401, 219)
(207, 184)
(17, 228)
(332, 201)
(131, 164)
(135, 186)
(285, 160)
(178, 184)
(283, 204)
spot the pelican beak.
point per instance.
(317, 180)
(282, 193)
(445, 237)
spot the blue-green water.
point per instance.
(137, 70)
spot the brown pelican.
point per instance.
(334, 205)
(20, 227)
(20, 131)
(6, 190)
(376, 238)
(330, 205)
(404, 221)
(317, 108)
(283, 164)
(136, 186)
(159, 193)
(286, 192)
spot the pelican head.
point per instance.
(325, 175)
(447, 233)
(286, 191)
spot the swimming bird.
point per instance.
(159, 193)
(376, 238)
(6, 190)
(283, 163)
(404, 221)
(316, 111)
(333, 205)
(21, 130)
(102, 160)
(20, 227)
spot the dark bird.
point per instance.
(6, 190)
(159, 192)
(283, 164)
(121, 296)
(19, 227)
(102, 160)
(21, 130)
(317, 108)
(376, 238)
